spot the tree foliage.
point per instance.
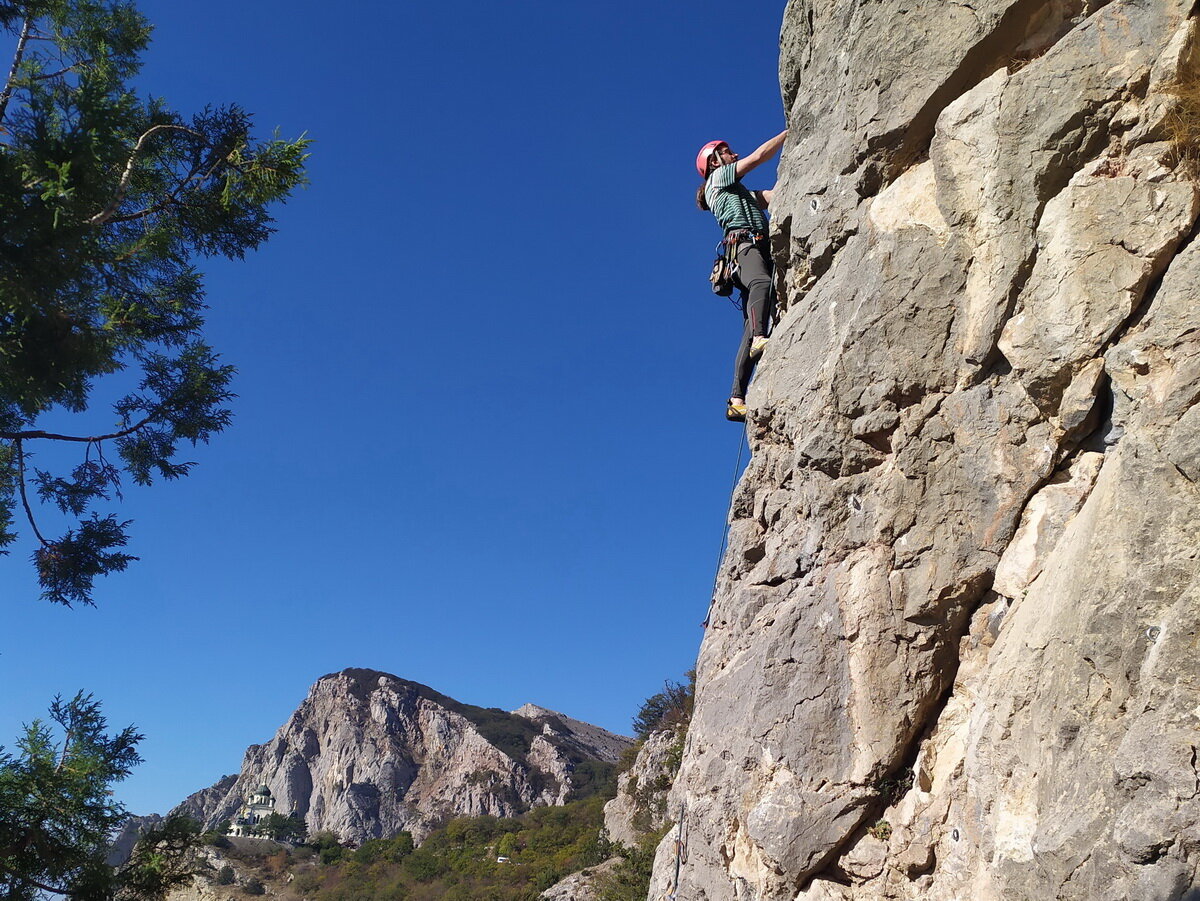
(670, 708)
(290, 828)
(57, 814)
(457, 860)
(106, 199)
(629, 880)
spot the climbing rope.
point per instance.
(737, 469)
(743, 442)
(681, 840)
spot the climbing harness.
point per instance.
(681, 842)
(725, 266)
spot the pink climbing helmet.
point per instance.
(704, 154)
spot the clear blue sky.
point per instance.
(479, 439)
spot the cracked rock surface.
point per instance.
(953, 652)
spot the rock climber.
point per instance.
(739, 212)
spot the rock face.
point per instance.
(953, 651)
(640, 806)
(586, 739)
(240, 859)
(129, 835)
(580, 886)
(367, 755)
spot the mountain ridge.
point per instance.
(368, 754)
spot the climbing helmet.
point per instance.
(704, 154)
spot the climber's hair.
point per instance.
(701, 201)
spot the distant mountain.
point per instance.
(367, 755)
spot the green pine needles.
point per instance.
(57, 814)
(106, 199)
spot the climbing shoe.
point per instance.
(757, 346)
(735, 412)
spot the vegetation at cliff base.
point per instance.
(629, 880)
(105, 200)
(461, 861)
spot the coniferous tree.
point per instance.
(290, 828)
(105, 201)
(57, 814)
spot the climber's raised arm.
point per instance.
(760, 155)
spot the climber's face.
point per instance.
(725, 155)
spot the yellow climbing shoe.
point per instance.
(757, 346)
(735, 412)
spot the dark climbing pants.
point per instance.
(753, 280)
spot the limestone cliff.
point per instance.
(953, 648)
(640, 805)
(367, 755)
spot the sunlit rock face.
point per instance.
(640, 805)
(953, 652)
(367, 755)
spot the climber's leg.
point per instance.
(754, 275)
(742, 364)
(754, 281)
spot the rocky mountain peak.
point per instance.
(368, 754)
(586, 739)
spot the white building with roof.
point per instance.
(260, 806)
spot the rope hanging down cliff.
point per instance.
(681, 839)
(743, 441)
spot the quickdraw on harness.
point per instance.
(725, 266)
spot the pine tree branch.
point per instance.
(10, 83)
(142, 214)
(174, 198)
(38, 433)
(24, 496)
(30, 881)
(62, 759)
(110, 210)
(70, 68)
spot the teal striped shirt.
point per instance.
(731, 202)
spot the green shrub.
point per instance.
(306, 883)
(423, 866)
(630, 879)
(392, 850)
(882, 830)
(593, 777)
(674, 758)
(253, 886)
(225, 875)
(328, 847)
(458, 860)
(671, 707)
